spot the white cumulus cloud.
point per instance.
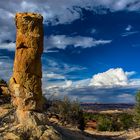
(53, 76)
(129, 33)
(6, 65)
(110, 78)
(68, 84)
(60, 85)
(128, 28)
(129, 74)
(62, 41)
(8, 46)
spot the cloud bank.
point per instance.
(113, 85)
(61, 12)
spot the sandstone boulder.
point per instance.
(4, 90)
(11, 136)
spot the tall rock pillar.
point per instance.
(25, 83)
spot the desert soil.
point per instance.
(75, 134)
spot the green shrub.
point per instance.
(68, 111)
(137, 108)
(126, 121)
(111, 122)
(104, 124)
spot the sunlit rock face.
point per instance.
(25, 83)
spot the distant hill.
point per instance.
(107, 106)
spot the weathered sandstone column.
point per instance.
(25, 84)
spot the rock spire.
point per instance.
(25, 83)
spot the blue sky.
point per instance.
(91, 47)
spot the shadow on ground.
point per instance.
(68, 134)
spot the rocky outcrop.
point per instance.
(25, 84)
(4, 94)
(34, 133)
(4, 90)
(10, 130)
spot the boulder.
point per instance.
(4, 90)
(11, 136)
(33, 133)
